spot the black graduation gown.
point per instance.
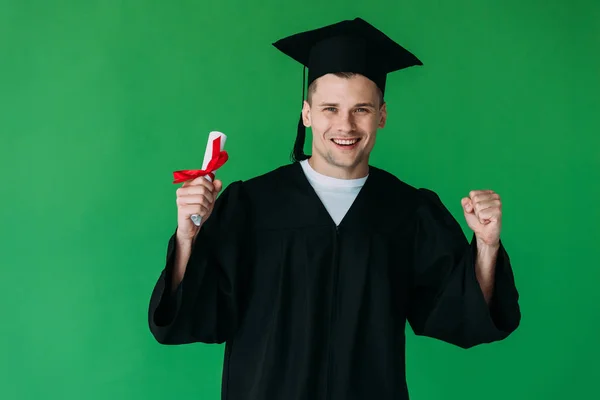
(312, 311)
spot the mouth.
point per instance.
(345, 143)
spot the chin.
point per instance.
(345, 161)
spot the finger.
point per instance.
(483, 197)
(194, 209)
(196, 190)
(481, 191)
(199, 181)
(218, 185)
(193, 199)
(203, 190)
(467, 204)
(483, 205)
(488, 214)
(474, 193)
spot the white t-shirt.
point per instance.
(336, 194)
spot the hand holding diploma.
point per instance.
(196, 197)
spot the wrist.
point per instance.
(184, 247)
(485, 245)
(184, 239)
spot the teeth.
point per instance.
(345, 142)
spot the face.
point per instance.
(344, 115)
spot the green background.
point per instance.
(101, 100)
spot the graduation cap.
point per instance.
(347, 46)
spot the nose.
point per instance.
(345, 123)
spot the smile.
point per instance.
(345, 142)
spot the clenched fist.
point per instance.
(483, 212)
(195, 197)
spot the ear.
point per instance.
(382, 115)
(306, 114)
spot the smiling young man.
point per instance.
(310, 272)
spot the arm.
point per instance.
(197, 295)
(455, 295)
(183, 251)
(485, 268)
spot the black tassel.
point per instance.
(298, 152)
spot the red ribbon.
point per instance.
(218, 159)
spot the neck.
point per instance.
(356, 172)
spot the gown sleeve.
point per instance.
(206, 305)
(446, 300)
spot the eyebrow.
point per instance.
(356, 105)
(365, 105)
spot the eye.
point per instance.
(330, 109)
(362, 110)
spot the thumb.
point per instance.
(218, 184)
(467, 205)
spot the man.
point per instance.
(309, 272)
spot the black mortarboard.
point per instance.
(347, 46)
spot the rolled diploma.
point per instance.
(197, 219)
